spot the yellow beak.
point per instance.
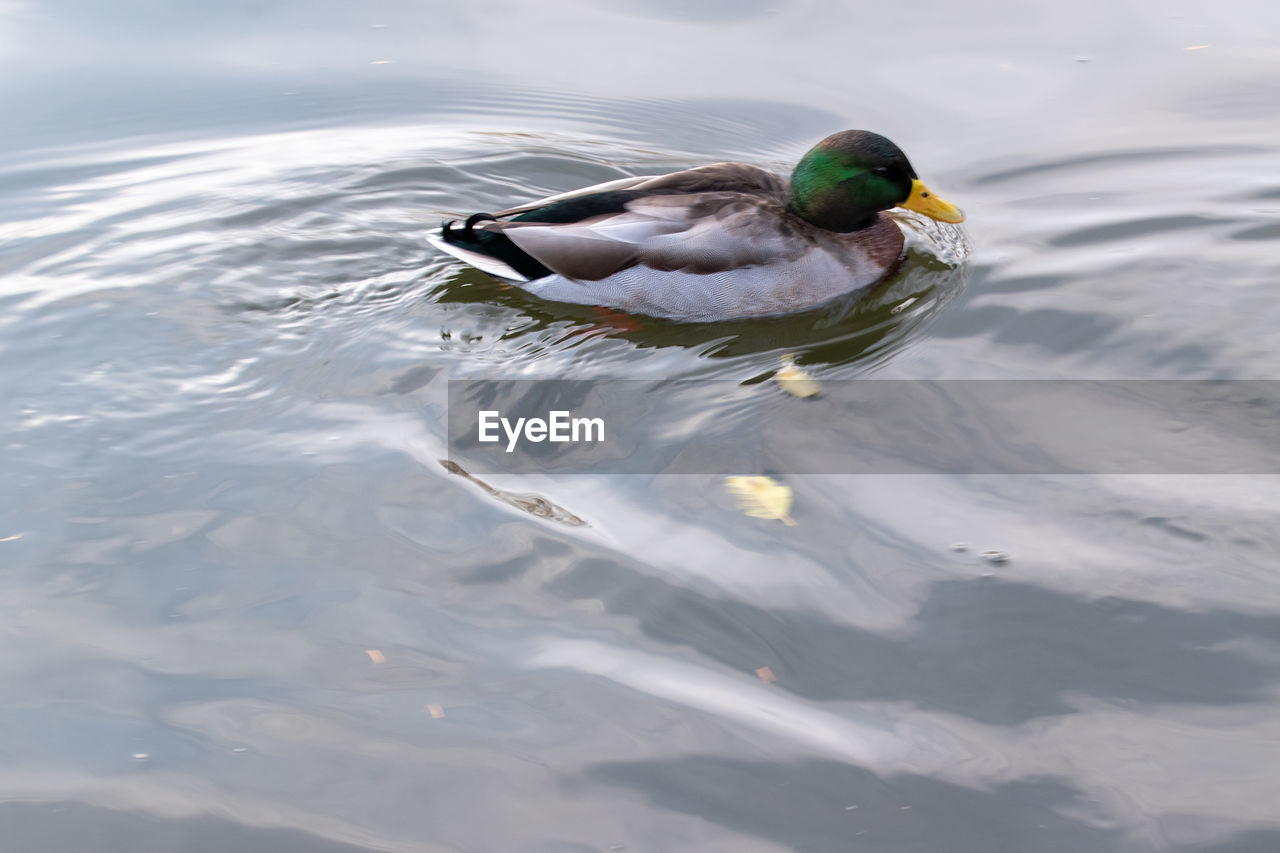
(923, 201)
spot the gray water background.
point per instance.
(224, 352)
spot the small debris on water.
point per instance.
(766, 675)
(140, 756)
(376, 656)
(795, 380)
(436, 711)
(959, 546)
(997, 558)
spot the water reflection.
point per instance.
(831, 806)
(862, 326)
(1113, 649)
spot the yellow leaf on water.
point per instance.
(762, 497)
(436, 711)
(795, 380)
(376, 656)
(766, 675)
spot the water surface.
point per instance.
(226, 347)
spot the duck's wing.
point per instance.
(720, 212)
(593, 231)
(716, 177)
(698, 232)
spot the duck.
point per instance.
(724, 241)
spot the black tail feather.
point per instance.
(495, 244)
(469, 229)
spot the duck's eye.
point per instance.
(880, 170)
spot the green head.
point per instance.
(847, 178)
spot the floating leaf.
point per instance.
(376, 656)
(436, 711)
(11, 538)
(795, 380)
(762, 497)
(766, 675)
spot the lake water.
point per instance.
(246, 607)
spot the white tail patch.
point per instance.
(492, 266)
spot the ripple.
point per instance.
(1133, 228)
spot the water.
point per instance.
(225, 348)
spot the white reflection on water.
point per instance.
(1116, 755)
(737, 700)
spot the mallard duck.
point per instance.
(717, 242)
